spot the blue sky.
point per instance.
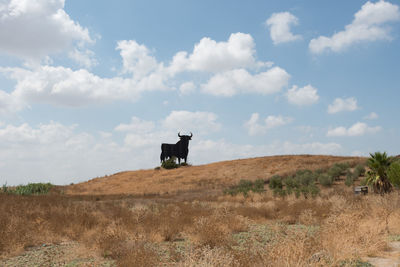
(89, 88)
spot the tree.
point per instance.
(377, 176)
(394, 173)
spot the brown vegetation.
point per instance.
(227, 231)
(210, 177)
(336, 228)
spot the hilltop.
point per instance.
(202, 178)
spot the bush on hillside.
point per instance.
(170, 164)
(291, 184)
(318, 172)
(325, 180)
(335, 172)
(302, 183)
(349, 178)
(32, 189)
(245, 186)
(305, 177)
(394, 173)
(275, 182)
(359, 170)
(343, 166)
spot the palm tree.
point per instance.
(377, 176)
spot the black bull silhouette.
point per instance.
(179, 150)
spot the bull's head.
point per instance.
(187, 137)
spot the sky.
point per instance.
(90, 88)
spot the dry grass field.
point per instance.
(213, 176)
(182, 218)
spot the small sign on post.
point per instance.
(361, 190)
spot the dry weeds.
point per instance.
(260, 230)
(210, 177)
(301, 232)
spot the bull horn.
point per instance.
(179, 134)
(191, 135)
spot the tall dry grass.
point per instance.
(259, 230)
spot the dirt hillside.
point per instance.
(215, 176)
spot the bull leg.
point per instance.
(179, 160)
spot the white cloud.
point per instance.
(9, 104)
(207, 151)
(135, 140)
(255, 128)
(275, 121)
(198, 122)
(187, 88)
(49, 152)
(84, 58)
(61, 154)
(136, 59)
(304, 96)
(32, 30)
(237, 81)
(340, 104)
(136, 125)
(311, 148)
(211, 56)
(58, 85)
(66, 87)
(369, 24)
(357, 129)
(279, 25)
(371, 116)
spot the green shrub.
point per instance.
(335, 172)
(302, 183)
(279, 192)
(343, 166)
(245, 186)
(359, 170)
(275, 182)
(33, 189)
(304, 171)
(170, 164)
(290, 184)
(325, 180)
(305, 178)
(394, 173)
(314, 190)
(311, 189)
(349, 178)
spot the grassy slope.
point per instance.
(204, 177)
